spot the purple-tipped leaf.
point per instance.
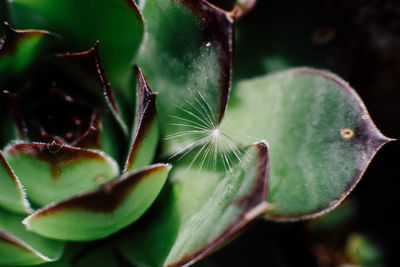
(190, 44)
(145, 132)
(320, 134)
(200, 211)
(52, 171)
(101, 212)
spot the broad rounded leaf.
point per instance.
(187, 57)
(199, 212)
(320, 135)
(12, 194)
(116, 23)
(145, 133)
(101, 212)
(51, 172)
(21, 247)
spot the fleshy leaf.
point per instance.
(320, 135)
(91, 138)
(101, 212)
(51, 172)
(21, 247)
(145, 132)
(190, 44)
(12, 194)
(117, 24)
(18, 49)
(86, 68)
(199, 212)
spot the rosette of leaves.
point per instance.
(81, 113)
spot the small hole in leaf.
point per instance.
(364, 117)
(346, 133)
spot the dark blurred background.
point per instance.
(360, 41)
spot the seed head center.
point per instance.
(215, 133)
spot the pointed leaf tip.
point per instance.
(145, 133)
(200, 211)
(320, 134)
(103, 211)
(120, 46)
(205, 75)
(89, 63)
(21, 247)
(51, 172)
(12, 193)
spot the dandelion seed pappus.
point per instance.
(205, 144)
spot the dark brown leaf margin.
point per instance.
(365, 134)
(146, 116)
(219, 30)
(4, 164)
(91, 137)
(56, 154)
(106, 199)
(8, 45)
(253, 205)
(11, 38)
(90, 62)
(12, 240)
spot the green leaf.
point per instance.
(187, 57)
(52, 172)
(12, 194)
(116, 23)
(101, 212)
(364, 251)
(199, 212)
(87, 70)
(145, 133)
(18, 50)
(320, 135)
(21, 247)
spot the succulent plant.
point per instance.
(286, 146)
